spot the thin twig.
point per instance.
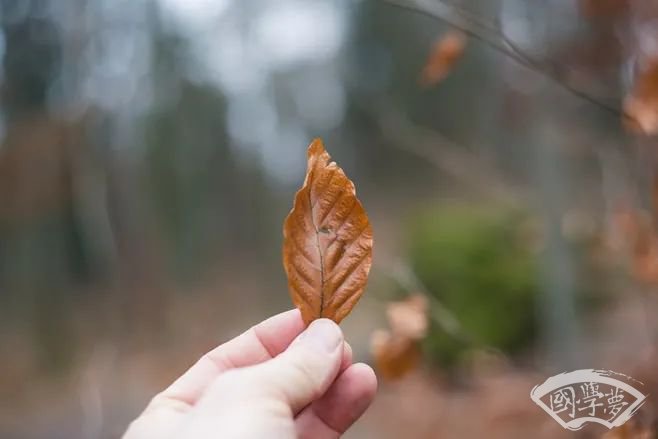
(439, 314)
(448, 157)
(549, 71)
(496, 39)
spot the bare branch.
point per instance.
(448, 157)
(493, 36)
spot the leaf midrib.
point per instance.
(317, 243)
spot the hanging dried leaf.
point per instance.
(397, 352)
(442, 58)
(641, 104)
(408, 318)
(394, 354)
(327, 245)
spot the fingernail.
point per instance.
(322, 334)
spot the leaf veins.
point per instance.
(327, 246)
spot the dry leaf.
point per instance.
(394, 355)
(397, 352)
(444, 55)
(408, 318)
(642, 243)
(327, 245)
(641, 104)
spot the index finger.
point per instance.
(258, 344)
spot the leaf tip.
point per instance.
(316, 147)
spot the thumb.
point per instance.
(296, 377)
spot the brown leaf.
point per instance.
(442, 58)
(397, 352)
(394, 354)
(641, 104)
(408, 318)
(327, 245)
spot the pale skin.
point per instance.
(276, 380)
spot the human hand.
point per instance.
(276, 380)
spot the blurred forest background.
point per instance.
(504, 151)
